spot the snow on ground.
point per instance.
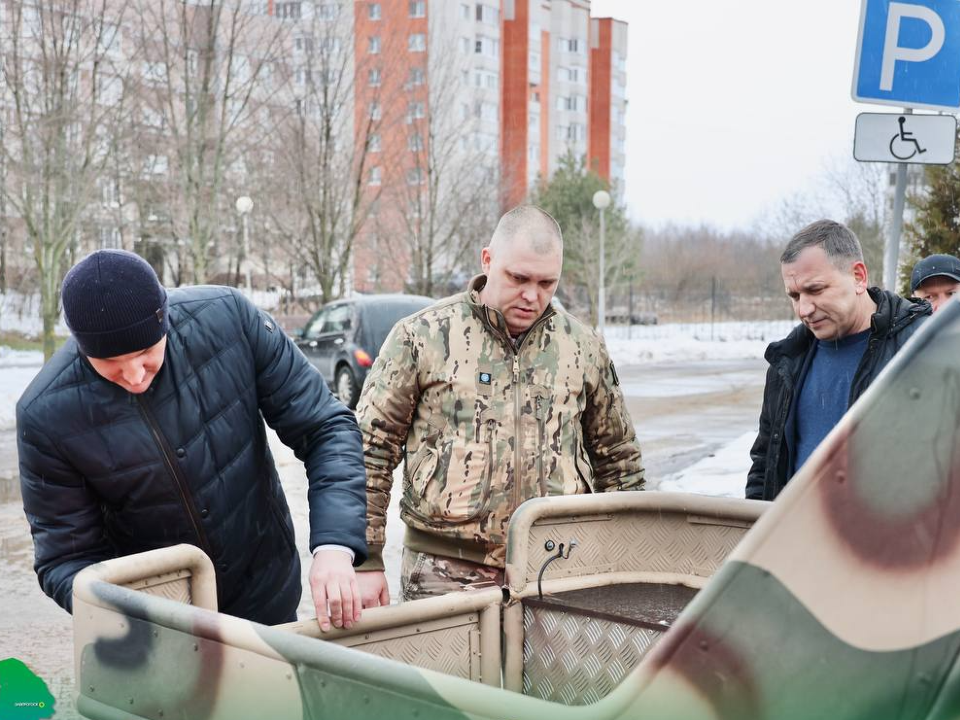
(17, 369)
(722, 474)
(21, 314)
(689, 342)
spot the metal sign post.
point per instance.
(891, 251)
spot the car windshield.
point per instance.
(379, 319)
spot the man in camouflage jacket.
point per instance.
(491, 397)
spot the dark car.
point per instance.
(343, 338)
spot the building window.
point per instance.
(573, 103)
(415, 142)
(155, 72)
(374, 48)
(374, 143)
(373, 10)
(416, 76)
(415, 110)
(376, 176)
(465, 45)
(110, 192)
(415, 176)
(487, 14)
(375, 111)
(156, 165)
(619, 61)
(570, 45)
(418, 8)
(485, 79)
(330, 44)
(486, 111)
(484, 45)
(289, 10)
(572, 74)
(374, 77)
(417, 42)
(328, 11)
(303, 44)
(110, 238)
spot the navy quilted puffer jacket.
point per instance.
(106, 473)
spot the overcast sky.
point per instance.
(735, 105)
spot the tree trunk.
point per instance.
(49, 301)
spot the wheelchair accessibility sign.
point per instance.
(899, 137)
(908, 54)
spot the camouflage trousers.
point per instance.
(423, 575)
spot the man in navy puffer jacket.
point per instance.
(146, 429)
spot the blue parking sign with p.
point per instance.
(908, 54)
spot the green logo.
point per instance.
(23, 695)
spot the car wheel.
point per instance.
(347, 389)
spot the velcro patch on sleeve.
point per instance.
(613, 372)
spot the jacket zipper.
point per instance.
(541, 429)
(516, 391)
(179, 480)
(516, 429)
(518, 496)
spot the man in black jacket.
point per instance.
(146, 429)
(849, 332)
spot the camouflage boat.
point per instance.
(840, 602)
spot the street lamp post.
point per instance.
(601, 201)
(244, 206)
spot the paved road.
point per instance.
(686, 412)
(683, 412)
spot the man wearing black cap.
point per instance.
(146, 430)
(936, 279)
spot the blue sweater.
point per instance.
(825, 390)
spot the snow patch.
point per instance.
(723, 474)
(690, 342)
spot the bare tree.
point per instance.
(64, 72)
(213, 64)
(445, 195)
(846, 190)
(323, 149)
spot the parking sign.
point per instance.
(908, 54)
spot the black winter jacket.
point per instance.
(895, 320)
(106, 473)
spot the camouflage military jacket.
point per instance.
(483, 424)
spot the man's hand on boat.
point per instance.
(333, 583)
(373, 588)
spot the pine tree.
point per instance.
(936, 224)
(568, 197)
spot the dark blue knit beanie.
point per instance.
(114, 304)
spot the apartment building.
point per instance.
(500, 89)
(454, 110)
(564, 90)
